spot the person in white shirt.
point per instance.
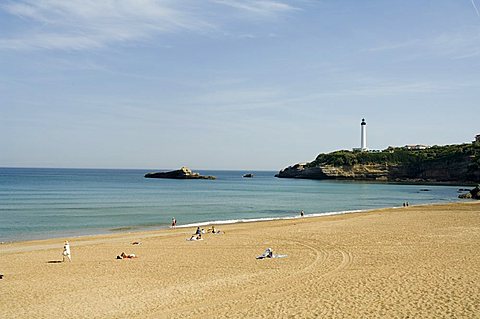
(66, 252)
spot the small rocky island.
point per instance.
(182, 173)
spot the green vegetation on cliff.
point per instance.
(437, 156)
(401, 156)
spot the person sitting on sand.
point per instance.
(216, 231)
(198, 231)
(267, 254)
(195, 237)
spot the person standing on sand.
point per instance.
(66, 252)
(174, 222)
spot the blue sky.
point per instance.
(224, 84)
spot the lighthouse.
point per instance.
(363, 141)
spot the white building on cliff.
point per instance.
(363, 137)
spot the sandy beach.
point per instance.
(414, 262)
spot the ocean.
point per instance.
(44, 203)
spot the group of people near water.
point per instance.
(67, 255)
(198, 233)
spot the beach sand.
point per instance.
(414, 262)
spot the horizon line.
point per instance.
(125, 168)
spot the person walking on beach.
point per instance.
(174, 222)
(302, 213)
(66, 252)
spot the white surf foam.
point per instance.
(266, 219)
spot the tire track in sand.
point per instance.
(220, 302)
(282, 285)
(279, 298)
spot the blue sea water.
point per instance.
(44, 203)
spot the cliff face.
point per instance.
(360, 172)
(460, 168)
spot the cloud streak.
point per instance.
(84, 24)
(92, 24)
(475, 7)
(264, 7)
(460, 44)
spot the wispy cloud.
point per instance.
(82, 24)
(387, 89)
(239, 99)
(265, 7)
(393, 46)
(457, 44)
(86, 24)
(475, 7)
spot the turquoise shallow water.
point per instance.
(44, 203)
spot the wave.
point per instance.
(266, 219)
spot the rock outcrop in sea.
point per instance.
(182, 173)
(473, 194)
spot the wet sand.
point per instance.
(414, 262)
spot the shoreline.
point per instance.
(417, 261)
(393, 182)
(139, 229)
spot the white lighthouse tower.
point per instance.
(363, 142)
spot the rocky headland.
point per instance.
(438, 164)
(182, 173)
(472, 194)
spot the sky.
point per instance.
(231, 84)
